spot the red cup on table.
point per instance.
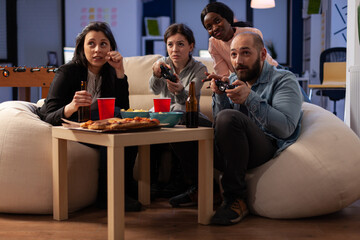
(162, 104)
(106, 107)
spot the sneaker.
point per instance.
(190, 198)
(186, 199)
(172, 189)
(230, 212)
(169, 190)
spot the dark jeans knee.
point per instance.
(228, 119)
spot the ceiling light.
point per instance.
(262, 3)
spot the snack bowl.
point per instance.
(134, 113)
(170, 118)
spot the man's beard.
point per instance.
(251, 73)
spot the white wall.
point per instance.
(123, 16)
(188, 12)
(3, 40)
(273, 23)
(352, 60)
(39, 31)
(238, 7)
(338, 23)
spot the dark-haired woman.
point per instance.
(218, 19)
(97, 62)
(180, 42)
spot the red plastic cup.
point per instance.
(106, 107)
(162, 104)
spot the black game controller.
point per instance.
(165, 72)
(223, 85)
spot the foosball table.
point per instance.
(24, 78)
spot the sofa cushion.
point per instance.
(319, 174)
(26, 164)
(139, 70)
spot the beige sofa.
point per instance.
(139, 72)
(319, 174)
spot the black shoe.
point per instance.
(186, 199)
(131, 188)
(132, 205)
(230, 212)
(172, 189)
(155, 190)
(190, 197)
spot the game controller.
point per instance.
(165, 72)
(220, 84)
(223, 85)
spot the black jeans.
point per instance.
(129, 162)
(187, 153)
(239, 145)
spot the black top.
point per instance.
(67, 81)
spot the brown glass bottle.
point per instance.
(84, 112)
(192, 112)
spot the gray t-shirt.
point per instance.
(194, 71)
(94, 88)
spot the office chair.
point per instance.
(336, 54)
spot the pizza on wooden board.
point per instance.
(120, 123)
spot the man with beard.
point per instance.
(254, 122)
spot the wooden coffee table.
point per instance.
(115, 143)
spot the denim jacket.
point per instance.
(274, 104)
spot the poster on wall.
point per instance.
(338, 23)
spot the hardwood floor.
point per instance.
(159, 221)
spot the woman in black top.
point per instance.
(97, 62)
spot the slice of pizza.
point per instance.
(86, 124)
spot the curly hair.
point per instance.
(220, 8)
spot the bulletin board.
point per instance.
(80, 13)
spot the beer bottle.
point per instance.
(192, 112)
(84, 112)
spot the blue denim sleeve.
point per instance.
(220, 102)
(278, 110)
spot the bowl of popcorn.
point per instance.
(131, 113)
(168, 118)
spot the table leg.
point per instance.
(144, 174)
(60, 177)
(116, 193)
(205, 182)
